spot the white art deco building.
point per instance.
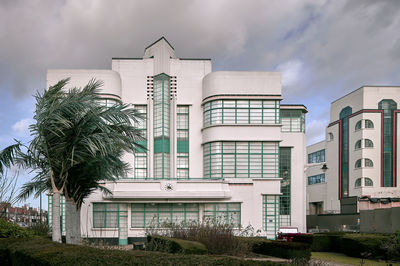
(219, 146)
(360, 153)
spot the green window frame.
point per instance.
(241, 159)
(62, 212)
(368, 163)
(241, 112)
(145, 215)
(368, 182)
(141, 152)
(368, 143)
(358, 145)
(285, 172)
(358, 182)
(358, 164)
(161, 125)
(358, 125)
(223, 213)
(182, 165)
(271, 217)
(292, 121)
(105, 215)
(369, 124)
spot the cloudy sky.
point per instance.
(324, 49)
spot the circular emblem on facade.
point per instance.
(169, 187)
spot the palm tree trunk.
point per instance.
(72, 223)
(56, 225)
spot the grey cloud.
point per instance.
(341, 44)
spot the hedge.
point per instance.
(321, 242)
(174, 245)
(361, 245)
(280, 249)
(42, 251)
(352, 244)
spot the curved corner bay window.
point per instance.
(163, 214)
(368, 182)
(292, 121)
(241, 159)
(161, 126)
(223, 213)
(368, 143)
(358, 164)
(369, 163)
(358, 125)
(358, 144)
(369, 124)
(241, 112)
(140, 162)
(357, 183)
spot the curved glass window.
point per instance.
(358, 125)
(358, 144)
(358, 164)
(368, 143)
(241, 112)
(368, 182)
(369, 163)
(369, 124)
(358, 182)
(241, 159)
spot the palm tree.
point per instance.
(77, 144)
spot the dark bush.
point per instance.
(42, 251)
(281, 249)
(12, 230)
(303, 238)
(174, 245)
(358, 245)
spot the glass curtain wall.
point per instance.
(387, 106)
(161, 117)
(344, 163)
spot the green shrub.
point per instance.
(174, 245)
(362, 245)
(42, 251)
(12, 230)
(40, 229)
(281, 249)
(217, 236)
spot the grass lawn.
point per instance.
(344, 259)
